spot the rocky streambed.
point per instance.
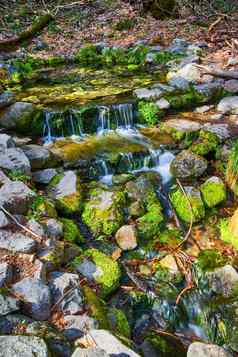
(118, 220)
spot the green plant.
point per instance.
(19, 176)
(232, 169)
(88, 55)
(148, 112)
(125, 24)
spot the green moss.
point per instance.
(206, 143)
(110, 271)
(182, 205)
(149, 224)
(210, 259)
(148, 113)
(118, 322)
(42, 207)
(71, 231)
(88, 55)
(226, 233)
(213, 192)
(69, 205)
(232, 169)
(187, 100)
(55, 255)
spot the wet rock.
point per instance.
(6, 99)
(228, 105)
(23, 346)
(163, 104)
(200, 349)
(44, 176)
(89, 352)
(17, 242)
(60, 283)
(4, 222)
(18, 116)
(126, 237)
(179, 83)
(224, 281)
(39, 156)
(54, 228)
(109, 343)
(213, 191)
(189, 72)
(231, 86)
(6, 142)
(221, 130)
(148, 94)
(14, 159)
(16, 197)
(182, 206)
(77, 326)
(5, 273)
(187, 165)
(8, 305)
(36, 297)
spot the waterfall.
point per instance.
(115, 117)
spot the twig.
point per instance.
(214, 24)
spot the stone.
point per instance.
(89, 352)
(179, 83)
(17, 242)
(217, 116)
(189, 72)
(178, 46)
(60, 283)
(23, 346)
(18, 116)
(6, 142)
(3, 178)
(44, 176)
(148, 94)
(213, 191)
(6, 99)
(12, 322)
(224, 281)
(39, 156)
(187, 165)
(14, 159)
(200, 349)
(8, 305)
(109, 343)
(203, 109)
(221, 130)
(4, 221)
(228, 105)
(179, 127)
(126, 237)
(36, 227)
(54, 228)
(36, 297)
(231, 86)
(163, 104)
(5, 274)
(16, 197)
(77, 326)
(170, 263)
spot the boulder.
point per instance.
(6, 99)
(5, 273)
(18, 116)
(36, 297)
(89, 352)
(231, 86)
(126, 237)
(179, 83)
(16, 197)
(213, 191)
(14, 159)
(222, 131)
(200, 349)
(77, 326)
(44, 176)
(17, 242)
(8, 305)
(180, 127)
(4, 221)
(36, 227)
(6, 142)
(189, 72)
(188, 165)
(228, 105)
(224, 281)
(54, 228)
(23, 346)
(162, 103)
(39, 156)
(148, 94)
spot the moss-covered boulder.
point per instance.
(213, 191)
(181, 129)
(118, 322)
(206, 143)
(71, 231)
(103, 211)
(183, 204)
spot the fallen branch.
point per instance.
(27, 35)
(218, 72)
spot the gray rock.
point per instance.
(163, 104)
(36, 297)
(36, 227)
(187, 164)
(38, 156)
(231, 86)
(217, 116)
(16, 242)
(16, 197)
(182, 125)
(88, 269)
(21, 141)
(179, 83)
(189, 72)
(228, 105)
(224, 281)
(178, 46)
(6, 142)
(60, 283)
(78, 325)
(6, 99)
(54, 228)
(8, 305)
(110, 344)
(90, 352)
(39, 270)
(4, 221)
(14, 159)
(221, 130)
(12, 322)
(66, 186)
(208, 89)
(17, 115)
(150, 57)
(199, 349)
(44, 176)
(3, 178)
(5, 273)
(203, 109)
(148, 94)
(22, 346)
(165, 88)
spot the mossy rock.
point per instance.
(210, 259)
(71, 231)
(206, 143)
(183, 204)
(44, 207)
(149, 225)
(118, 322)
(213, 192)
(103, 212)
(166, 346)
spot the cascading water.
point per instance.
(115, 117)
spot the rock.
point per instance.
(187, 165)
(89, 352)
(8, 305)
(224, 281)
(22, 140)
(16, 197)
(209, 90)
(213, 191)
(17, 242)
(61, 283)
(14, 159)
(18, 116)
(126, 237)
(118, 322)
(179, 83)
(182, 205)
(200, 349)
(39, 270)
(217, 116)
(6, 99)
(170, 263)
(71, 231)
(36, 227)
(205, 143)
(44, 176)
(203, 109)
(103, 270)
(12, 322)
(66, 190)
(189, 72)
(103, 212)
(36, 297)
(4, 222)
(221, 130)
(178, 128)
(231, 86)
(178, 46)
(163, 104)
(228, 105)
(54, 228)
(109, 343)
(5, 273)
(23, 346)
(3, 178)
(53, 254)
(39, 156)
(148, 94)
(6, 142)
(77, 326)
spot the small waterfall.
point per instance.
(104, 123)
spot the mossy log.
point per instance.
(27, 35)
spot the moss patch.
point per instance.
(71, 231)
(213, 192)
